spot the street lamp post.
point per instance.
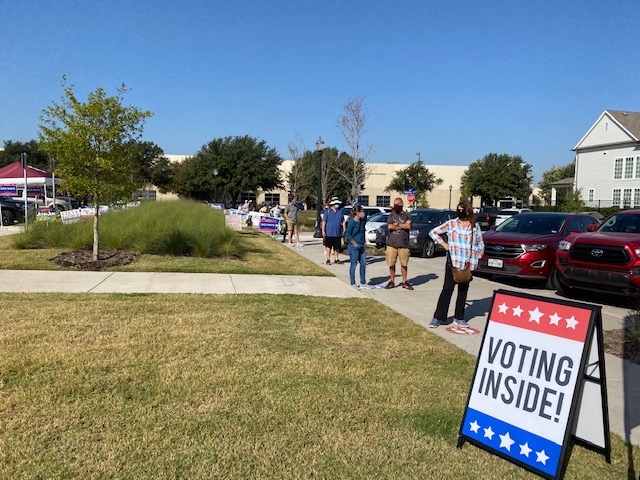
(215, 185)
(319, 148)
(450, 188)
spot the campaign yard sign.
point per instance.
(529, 384)
(269, 224)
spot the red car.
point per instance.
(606, 259)
(524, 246)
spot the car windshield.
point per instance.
(531, 223)
(621, 223)
(424, 217)
(378, 217)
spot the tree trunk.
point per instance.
(96, 236)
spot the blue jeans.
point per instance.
(356, 254)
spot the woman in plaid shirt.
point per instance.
(462, 232)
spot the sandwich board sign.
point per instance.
(539, 383)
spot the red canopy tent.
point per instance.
(13, 174)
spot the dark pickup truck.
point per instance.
(487, 217)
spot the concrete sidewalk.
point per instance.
(426, 275)
(623, 377)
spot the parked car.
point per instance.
(422, 221)
(506, 213)
(486, 217)
(524, 246)
(371, 227)
(366, 210)
(606, 259)
(13, 211)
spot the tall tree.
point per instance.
(353, 126)
(13, 149)
(555, 174)
(91, 143)
(244, 164)
(497, 176)
(416, 176)
(152, 167)
(295, 178)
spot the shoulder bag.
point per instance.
(462, 275)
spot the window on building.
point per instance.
(617, 171)
(636, 197)
(141, 195)
(591, 195)
(364, 200)
(383, 201)
(637, 167)
(627, 198)
(272, 198)
(616, 197)
(628, 167)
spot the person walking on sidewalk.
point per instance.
(355, 246)
(291, 215)
(332, 230)
(464, 246)
(399, 224)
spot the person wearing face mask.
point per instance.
(399, 224)
(464, 245)
(355, 242)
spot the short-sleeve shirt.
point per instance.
(291, 211)
(333, 223)
(398, 238)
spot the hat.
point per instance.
(357, 204)
(335, 201)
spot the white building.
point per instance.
(608, 161)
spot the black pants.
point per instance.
(445, 296)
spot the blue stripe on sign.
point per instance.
(521, 445)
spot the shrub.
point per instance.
(174, 228)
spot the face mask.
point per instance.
(461, 214)
(398, 209)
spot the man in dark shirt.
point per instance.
(399, 224)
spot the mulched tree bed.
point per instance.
(621, 344)
(83, 259)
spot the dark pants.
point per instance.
(445, 296)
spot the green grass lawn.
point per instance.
(261, 254)
(237, 386)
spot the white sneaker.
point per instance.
(299, 245)
(364, 285)
(289, 244)
(355, 287)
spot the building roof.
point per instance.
(565, 182)
(629, 120)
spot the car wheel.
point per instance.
(552, 281)
(429, 248)
(7, 218)
(561, 287)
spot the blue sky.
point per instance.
(452, 80)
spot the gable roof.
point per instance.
(629, 120)
(627, 129)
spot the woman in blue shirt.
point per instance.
(355, 242)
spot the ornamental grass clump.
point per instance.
(182, 228)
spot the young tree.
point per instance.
(244, 164)
(352, 124)
(555, 174)
(416, 176)
(497, 176)
(90, 141)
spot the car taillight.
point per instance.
(488, 217)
